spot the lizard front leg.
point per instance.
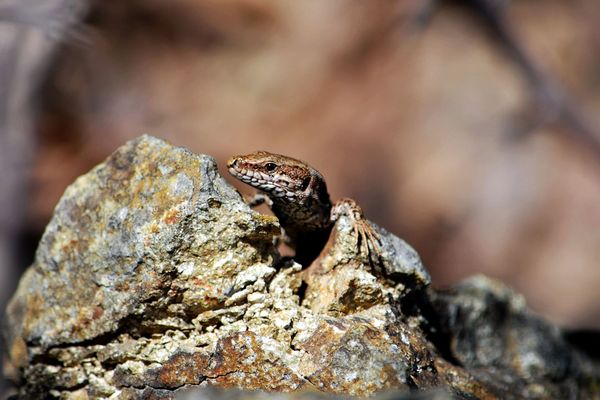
(368, 241)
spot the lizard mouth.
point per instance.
(260, 180)
(255, 179)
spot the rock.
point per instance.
(341, 281)
(155, 279)
(491, 333)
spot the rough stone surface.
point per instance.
(491, 333)
(154, 279)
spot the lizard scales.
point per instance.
(297, 194)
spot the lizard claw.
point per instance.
(368, 241)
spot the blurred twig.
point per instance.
(552, 98)
(55, 18)
(30, 31)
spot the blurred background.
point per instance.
(468, 128)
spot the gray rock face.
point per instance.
(492, 334)
(154, 278)
(126, 234)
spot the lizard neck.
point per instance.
(306, 225)
(302, 219)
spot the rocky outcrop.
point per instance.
(155, 278)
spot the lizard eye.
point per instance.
(305, 183)
(270, 166)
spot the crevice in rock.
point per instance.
(74, 387)
(585, 341)
(174, 388)
(416, 303)
(410, 382)
(45, 359)
(220, 375)
(129, 325)
(301, 292)
(309, 380)
(104, 339)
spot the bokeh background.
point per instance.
(469, 128)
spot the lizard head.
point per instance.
(279, 176)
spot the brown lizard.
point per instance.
(297, 195)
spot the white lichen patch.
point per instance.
(133, 367)
(253, 274)
(182, 186)
(186, 269)
(256, 297)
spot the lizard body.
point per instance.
(297, 194)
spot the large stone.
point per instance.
(491, 333)
(154, 279)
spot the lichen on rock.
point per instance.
(154, 278)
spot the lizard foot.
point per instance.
(368, 241)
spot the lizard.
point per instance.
(297, 194)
